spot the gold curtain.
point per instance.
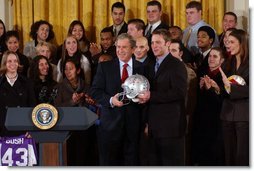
(96, 14)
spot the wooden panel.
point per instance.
(51, 154)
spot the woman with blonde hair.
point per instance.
(15, 89)
(45, 49)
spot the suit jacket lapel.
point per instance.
(134, 70)
(242, 68)
(116, 73)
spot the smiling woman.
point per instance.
(15, 90)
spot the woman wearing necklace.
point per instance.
(15, 89)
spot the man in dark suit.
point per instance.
(118, 132)
(154, 14)
(119, 25)
(166, 119)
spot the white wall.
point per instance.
(6, 13)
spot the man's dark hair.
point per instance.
(118, 5)
(179, 42)
(12, 33)
(194, 4)
(154, 3)
(209, 31)
(177, 27)
(107, 30)
(140, 24)
(232, 14)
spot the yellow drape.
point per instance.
(96, 14)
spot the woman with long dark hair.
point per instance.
(235, 108)
(41, 74)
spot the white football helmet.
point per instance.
(236, 79)
(133, 86)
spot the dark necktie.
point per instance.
(114, 30)
(157, 65)
(124, 73)
(149, 32)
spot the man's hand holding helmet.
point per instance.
(115, 101)
(144, 96)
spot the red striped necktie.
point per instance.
(124, 73)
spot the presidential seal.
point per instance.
(44, 116)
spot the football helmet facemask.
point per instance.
(134, 86)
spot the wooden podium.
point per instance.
(52, 146)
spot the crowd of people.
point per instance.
(193, 114)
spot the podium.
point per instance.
(51, 142)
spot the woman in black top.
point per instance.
(41, 74)
(15, 89)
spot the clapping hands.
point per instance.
(207, 83)
(94, 49)
(77, 97)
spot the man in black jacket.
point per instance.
(166, 118)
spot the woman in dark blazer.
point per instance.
(15, 89)
(235, 108)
